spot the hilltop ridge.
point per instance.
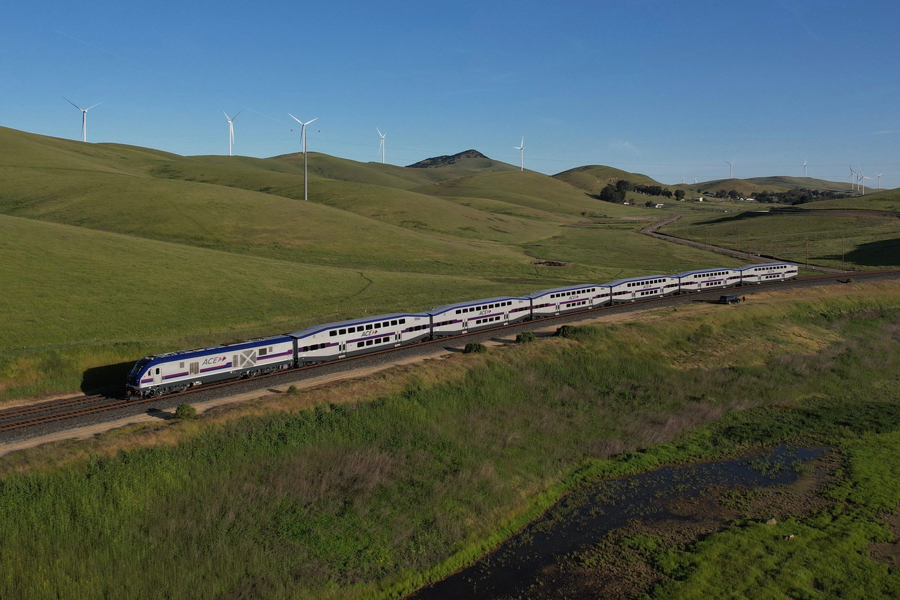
(471, 159)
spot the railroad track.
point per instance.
(42, 413)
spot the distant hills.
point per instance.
(469, 159)
(593, 178)
(776, 184)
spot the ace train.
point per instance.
(176, 371)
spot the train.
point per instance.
(178, 371)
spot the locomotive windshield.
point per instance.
(136, 369)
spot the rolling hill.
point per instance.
(111, 251)
(593, 178)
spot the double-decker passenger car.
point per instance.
(175, 371)
(641, 288)
(567, 299)
(695, 281)
(358, 336)
(463, 317)
(767, 272)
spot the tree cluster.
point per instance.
(616, 193)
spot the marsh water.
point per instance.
(519, 566)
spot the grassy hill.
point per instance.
(744, 187)
(112, 251)
(797, 183)
(593, 178)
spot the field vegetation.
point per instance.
(836, 240)
(342, 498)
(110, 252)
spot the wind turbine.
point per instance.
(853, 174)
(83, 117)
(862, 181)
(521, 150)
(879, 179)
(303, 137)
(695, 181)
(382, 144)
(230, 129)
(730, 169)
(804, 169)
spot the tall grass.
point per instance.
(373, 499)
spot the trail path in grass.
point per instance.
(653, 231)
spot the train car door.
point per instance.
(157, 378)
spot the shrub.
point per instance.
(475, 348)
(567, 331)
(525, 337)
(185, 411)
(292, 389)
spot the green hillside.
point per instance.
(593, 178)
(744, 187)
(797, 183)
(112, 251)
(886, 200)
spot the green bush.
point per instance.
(567, 331)
(185, 411)
(525, 337)
(475, 348)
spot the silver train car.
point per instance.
(178, 371)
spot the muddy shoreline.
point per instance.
(598, 541)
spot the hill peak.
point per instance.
(448, 160)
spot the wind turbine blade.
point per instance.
(523, 141)
(98, 104)
(72, 103)
(295, 118)
(308, 122)
(379, 132)
(226, 115)
(235, 116)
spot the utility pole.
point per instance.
(842, 253)
(807, 251)
(773, 245)
(749, 241)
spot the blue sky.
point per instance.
(670, 89)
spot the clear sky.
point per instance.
(669, 89)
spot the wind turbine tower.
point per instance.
(862, 181)
(521, 150)
(303, 137)
(382, 144)
(879, 179)
(83, 117)
(730, 169)
(852, 175)
(230, 130)
(804, 169)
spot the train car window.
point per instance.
(343, 331)
(180, 365)
(368, 327)
(368, 342)
(393, 323)
(157, 370)
(262, 351)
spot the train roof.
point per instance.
(630, 279)
(350, 323)
(446, 307)
(213, 349)
(567, 288)
(772, 264)
(696, 271)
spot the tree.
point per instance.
(733, 194)
(649, 204)
(679, 195)
(611, 194)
